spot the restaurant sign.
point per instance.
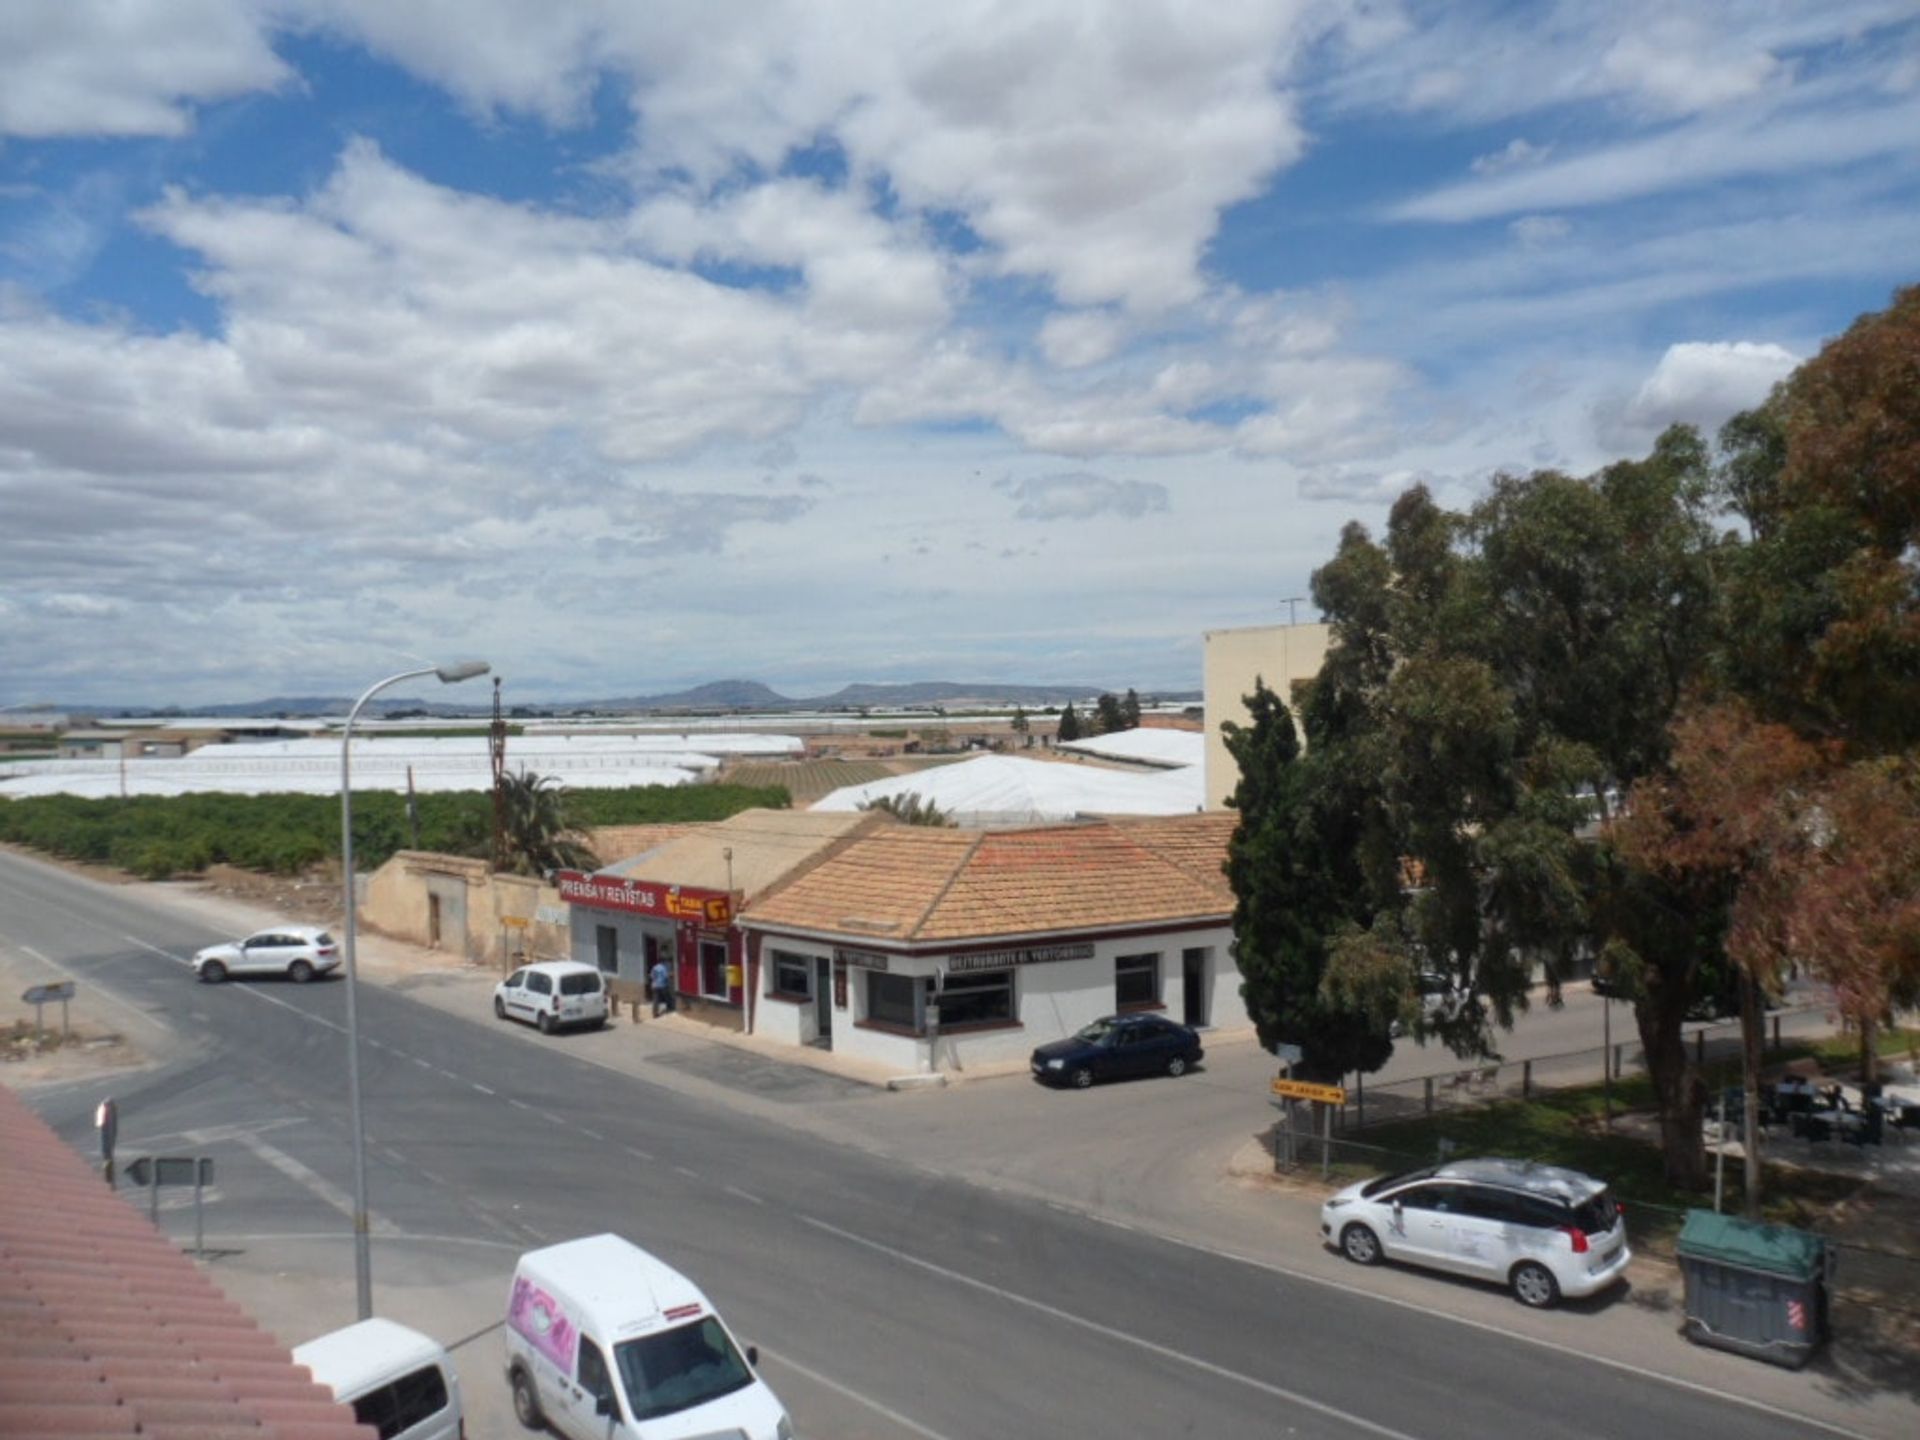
(1001, 959)
(862, 959)
(645, 897)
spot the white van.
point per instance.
(397, 1380)
(604, 1340)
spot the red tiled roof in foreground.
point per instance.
(106, 1328)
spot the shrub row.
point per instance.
(156, 837)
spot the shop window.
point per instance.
(890, 1000)
(1136, 982)
(713, 969)
(606, 944)
(981, 997)
(792, 975)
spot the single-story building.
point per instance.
(936, 949)
(680, 901)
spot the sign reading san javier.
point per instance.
(645, 897)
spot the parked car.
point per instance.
(1119, 1045)
(298, 952)
(1438, 994)
(1541, 1230)
(551, 994)
(398, 1381)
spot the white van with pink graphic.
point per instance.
(604, 1339)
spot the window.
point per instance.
(538, 983)
(593, 1374)
(983, 997)
(713, 969)
(792, 975)
(579, 984)
(1486, 1203)
(890, 1000)
(1136, 981)
(606, 940)
(678, 1369)
(396, 1408)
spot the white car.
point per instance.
(298, 952)
(552, 993)
(1541, 1230)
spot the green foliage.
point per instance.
(1292, 900)
(910, 808)
(1108, 717)
(539, 833)
(160, 836)
(1069, 728)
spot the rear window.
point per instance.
(1596, 1216)
(396, 1408)
(323, 938)
(579, 984)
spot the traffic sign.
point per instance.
(1288, 1054)
(47, 994)
(157, 1170)
(1307, 1090)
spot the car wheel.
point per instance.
(213, 972)
(1534, 1286)
(1082, 1078)
(1177, 1066)
(499, 1008)
(1360, 1245)
(546, 1023)
(300, 972)
(526, 1405)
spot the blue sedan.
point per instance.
(1119, 1045)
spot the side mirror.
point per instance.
(603, 1404)
(1396, 1209)
(753, 1356)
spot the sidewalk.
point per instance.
(1183, 1159)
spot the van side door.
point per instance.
(591, 1386)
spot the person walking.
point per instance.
(662, 991)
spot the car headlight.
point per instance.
(1056, 1064)
(1337, 1202)
(784, 1430)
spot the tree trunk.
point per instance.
(1752, 1023)
(1678, 1086)
(1869, 1050)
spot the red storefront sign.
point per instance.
(646, 897)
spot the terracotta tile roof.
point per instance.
(766, 845)
(915, 884)
(106, 1328)
(623, 842)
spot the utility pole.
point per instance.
(497, 748)
(1290, 602)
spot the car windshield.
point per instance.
(1387, 1182)
(1096, 1033)
(680, 1368)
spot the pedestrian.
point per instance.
(662, 993)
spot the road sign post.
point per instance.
(153, 1171)
(106, 1119)
(39, 995)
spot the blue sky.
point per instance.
(634, 346)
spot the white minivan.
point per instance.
(604, 1339)
(397, 1380)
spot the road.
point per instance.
(887, 1300)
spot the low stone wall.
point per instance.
(453, 903)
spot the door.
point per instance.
(433, 922)
(1484, 1231)
(1193, 987)
(823, 1000)
(533, 995)
(263, 954)
(1418, 1231)
(578, 1410)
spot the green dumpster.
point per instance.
(1758, 1289)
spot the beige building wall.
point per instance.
(452, 903)
(1277, 654)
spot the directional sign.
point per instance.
(170, 1170)
(1307, 1090)
(1288, 1054)
(47, 994)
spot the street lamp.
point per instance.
(362, 1260)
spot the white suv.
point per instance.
(552, 993)
(298, 952)
(1542, 1230)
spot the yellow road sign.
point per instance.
(1307, 1090)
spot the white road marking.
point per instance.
(742, 1194)
(1165, 1352)
(451, 1076)
(590, 1134)
(518, 1104)
(884, 1411)
(307, 1178)
(94, 986)
(637, 1154)
(690, 1174)
(423, 1064)
(481, 1088)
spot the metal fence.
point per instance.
(1716, 1051)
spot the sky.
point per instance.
(629, 346)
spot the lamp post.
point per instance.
(362, 1260)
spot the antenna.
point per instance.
(497, 749)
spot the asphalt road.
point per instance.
(887, 1301)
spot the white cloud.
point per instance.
(99, 67)
(1370, 487)
(1704, 383)
(1676, 67)
(1517, 152)
(1533, 231)
(1081, 496)
(1073, 338)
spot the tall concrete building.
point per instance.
(1277, 654)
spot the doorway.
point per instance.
(433, 922)
(823, 1002)
(1193, 987)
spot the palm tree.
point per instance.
(910, 808)
(539, 836)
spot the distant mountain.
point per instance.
(717, 697)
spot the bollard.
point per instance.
(1526, 1079)
(1429, 1095)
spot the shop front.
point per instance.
(625, 925)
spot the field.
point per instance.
(808, 780)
